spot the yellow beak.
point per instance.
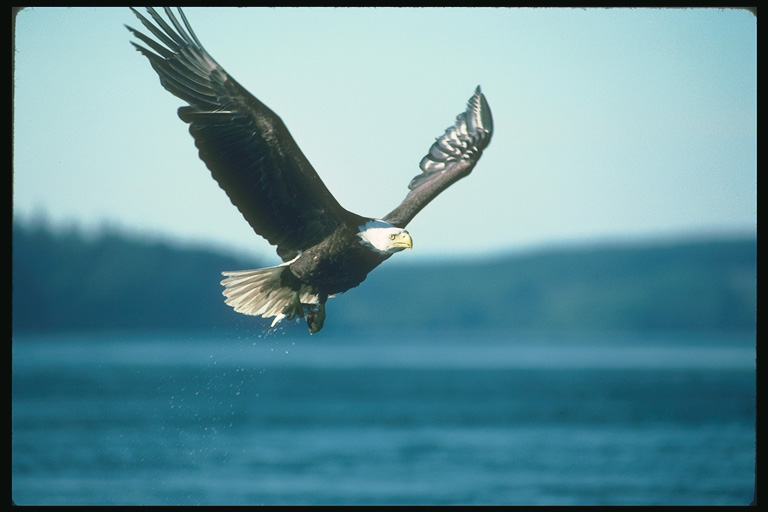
(403, 241)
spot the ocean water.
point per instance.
(174, 419)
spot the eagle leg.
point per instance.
(316, 318)
(293, 308)
(316, 314)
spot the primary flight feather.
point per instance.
(326, 250)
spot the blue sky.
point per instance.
(610, 124)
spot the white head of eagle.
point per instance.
(383, 237)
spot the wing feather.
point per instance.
(451, 157)
(245, 145)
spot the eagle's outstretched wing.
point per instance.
(246, 146)
(451, 157)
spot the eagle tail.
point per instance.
(261, 292)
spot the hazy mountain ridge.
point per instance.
(65, 281)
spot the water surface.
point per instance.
(201, 419)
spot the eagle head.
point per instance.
(383, 237)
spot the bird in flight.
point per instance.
(326, 249)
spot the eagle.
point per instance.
(325, 249)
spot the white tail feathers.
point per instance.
(259, 292)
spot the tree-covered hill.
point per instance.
(65, 281)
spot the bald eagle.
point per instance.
(325, 249)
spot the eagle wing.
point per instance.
(246, 146)
(451, 157)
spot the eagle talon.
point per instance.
(316, 318)
(294, 308)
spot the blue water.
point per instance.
(200, 419)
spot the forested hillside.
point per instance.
(64, 281)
